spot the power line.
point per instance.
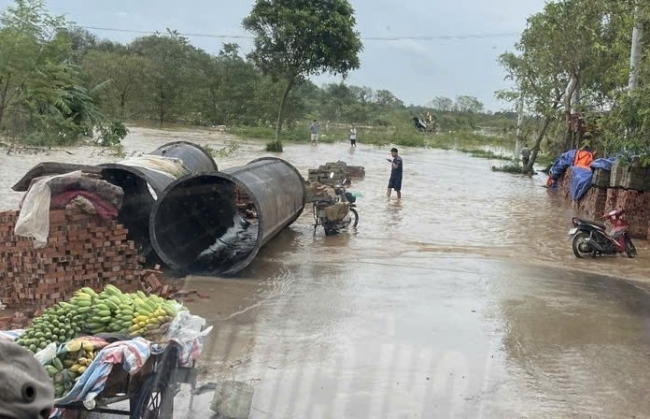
(366, 38)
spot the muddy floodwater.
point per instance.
(463, 300)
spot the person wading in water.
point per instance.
(353, 136)
(395, 181)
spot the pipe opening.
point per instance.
(206, 224)
(136, 206)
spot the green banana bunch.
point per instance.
(135, 314)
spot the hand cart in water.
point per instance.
(149, 393)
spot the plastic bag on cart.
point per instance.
(11, 334)
(186, 329)
(47, 354)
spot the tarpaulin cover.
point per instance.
(132, 354)
(34, 218)
(561, 164)
(580, 182)
(605, 164)
(583, 158)
(171, 167)
(104, 209)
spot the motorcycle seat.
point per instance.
(592, 223)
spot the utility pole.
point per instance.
(635, 53)
(520, 126)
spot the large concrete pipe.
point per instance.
(215, 223)
(143, 183)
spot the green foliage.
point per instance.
(60, 83)
(573, 57)
(274, 146)
(111, 134)
(226, 151)
(485, 154)
(514, 169)
(295, 39)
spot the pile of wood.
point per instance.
(82, 250)
(341, 172)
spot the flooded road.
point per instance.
(463, 300)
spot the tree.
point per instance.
(171, 56)
(442, 104)
(468, 104)
(568, 53)
(295, 39)
(127, 75)
(388, 99)
(26, 43)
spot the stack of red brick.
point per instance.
(637, 209)
(597, 201)
(82, 250)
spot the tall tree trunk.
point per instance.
(3, 98)
(161, 114)
(123, 105)
(535, 150)
(278, 126)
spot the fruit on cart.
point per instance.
(152, 314)
(61, 377)
(72, 361)
(129, 314)
(135, 314)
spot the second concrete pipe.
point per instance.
(195, 226)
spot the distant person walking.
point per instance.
(314, 128)
(395, 181)
(525, 155)
(353, 136)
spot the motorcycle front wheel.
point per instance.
(355, 217)
(630, 250)
(581, 246)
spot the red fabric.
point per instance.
(583, 158)
(104, 209)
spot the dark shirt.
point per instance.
(397, 171)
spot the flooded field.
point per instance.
(462, 299)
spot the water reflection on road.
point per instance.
(462, 300)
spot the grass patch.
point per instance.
(514, 169)
(405, 136)
(226, 151)
(291, 135)
(485, 154)
(274, 146)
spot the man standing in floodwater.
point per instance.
(353, 136)
(314, 128)
(525, 155)
(395, 181)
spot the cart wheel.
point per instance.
(155, 400)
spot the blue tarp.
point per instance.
(562, 163)
(580, 182)
(605, 164)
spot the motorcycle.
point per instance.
(336, 213)
(590, 238)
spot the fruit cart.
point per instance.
(114, 349)
(148, 394)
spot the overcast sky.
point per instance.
(415, 70)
